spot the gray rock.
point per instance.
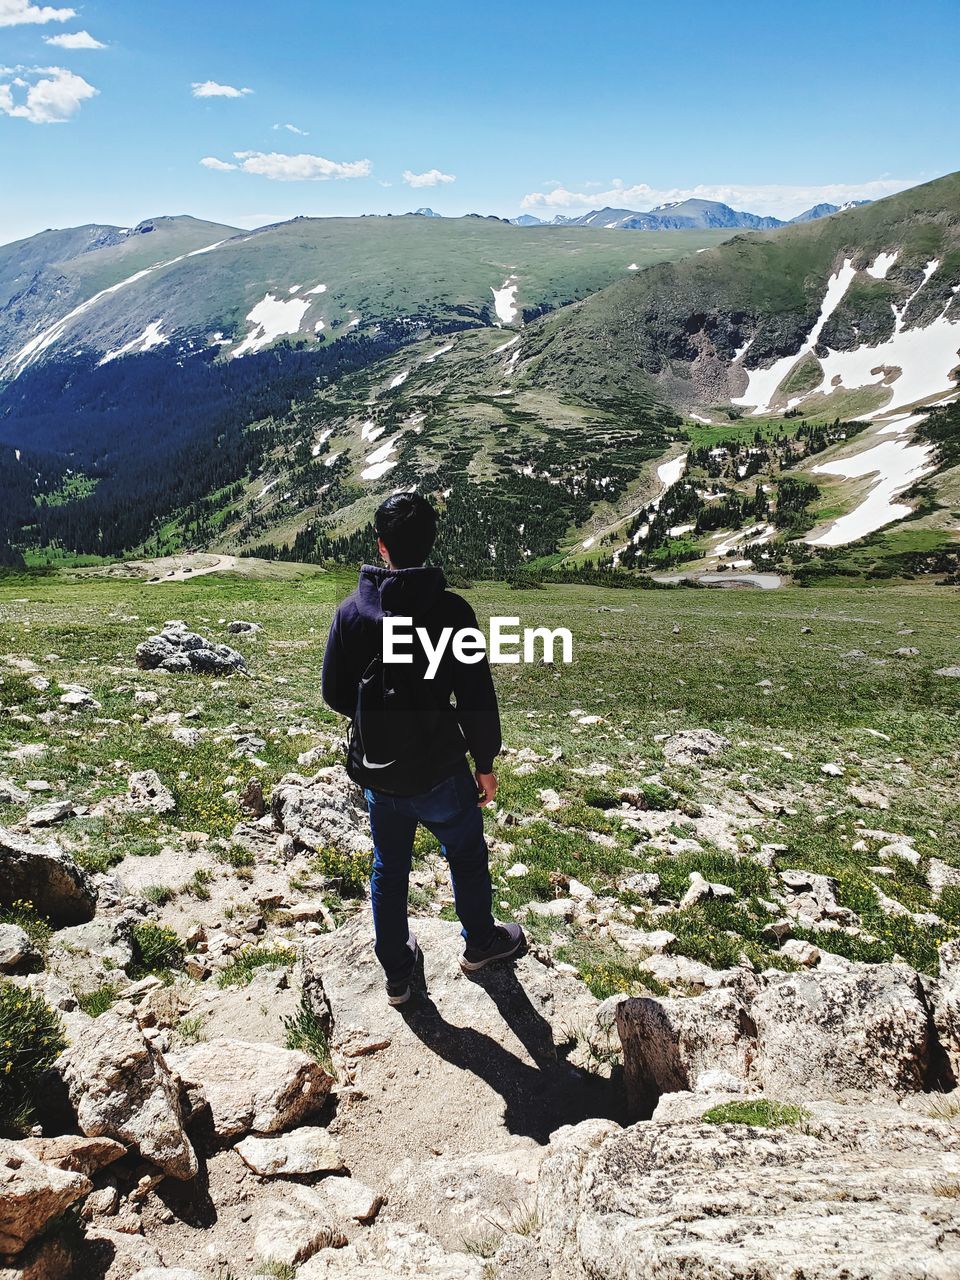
(290, 1231)
(32, 1194)
(351, 1198)
(940, 876)
(252, 1088)
(700, 890)
(46, 815)
(16, 948)
(146, 791)
(297, 1153)
(948, 671)
(401, 1252)
(10, 793)
(856, 1197)
(323, 811)
(121, 1087)
(243, 628)
(691, 746)
(862, 1030)
(46, 876)
(178, 649)
(644, 884)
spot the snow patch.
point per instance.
(270, 319)
(152, 336)
(375, 471)
(436, 354)
(399, 380)
(505, 300)
(762, 384)
(668, 473)
(882, 264)
(897, 464)
(319, 288)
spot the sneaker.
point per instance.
(399, 992)
(508, 941)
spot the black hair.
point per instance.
(407, 525)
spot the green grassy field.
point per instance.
(646, 663)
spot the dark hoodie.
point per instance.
(472, 724)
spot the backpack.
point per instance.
(395, 728)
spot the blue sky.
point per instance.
(548, 106)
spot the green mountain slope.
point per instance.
(316, 278)
(683, 324)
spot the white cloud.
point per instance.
(776, 199)
(292, 128)
(221, 166)
(74, 40)
(432, 178)
(300, 168)
(16, 13)
(210, 89)
(51, 99)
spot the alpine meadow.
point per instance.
(693, 447)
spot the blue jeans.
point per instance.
(451, 812)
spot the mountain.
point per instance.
(138, 380)
(423, 213)
(527, 220)
(825, 210)
(682, 215)
(802, 314)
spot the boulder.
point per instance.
(668, 1043)
(858, 1030)
(146, 791)
(31, 1194)
(252, 1088)
(240, 628)
(351, 1198)
(121, 1087)
(290, 1231)
(401, 1252)
(324, 811)
(76, 1154)
(178, 649)
(831, 1032)
(10, 793)
(297, 1153)
(691, 746)
(47, 815)
(16, 948)
(853, 1195)
(46, 876)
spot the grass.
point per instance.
(644, 679)
(156, 951)
(99, 1000)
(242, 970)
(759, 1113)
(305, 1031)
(31, 1037)
(28, 918)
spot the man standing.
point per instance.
(408, 742)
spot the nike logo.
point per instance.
(369, 764)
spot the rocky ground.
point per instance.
(721, 1056)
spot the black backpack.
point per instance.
(396, 727)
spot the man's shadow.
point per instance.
(538, 1098)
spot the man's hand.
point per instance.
(486, 786)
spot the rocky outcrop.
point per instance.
(178, 649)
(861, 1192)
(32, 1193)
(251, 1088)
(47, 877)
(121, 1087)
(691, 746)
(16, 949)
(858, 1030)
(322, 812)
(401, 1253)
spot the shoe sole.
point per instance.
(471, 966)
(394, 1001)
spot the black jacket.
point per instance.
(472, 724)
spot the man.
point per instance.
(423, 776)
